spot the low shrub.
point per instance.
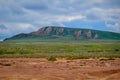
(52, 58)
(6, 64)
(106, 59)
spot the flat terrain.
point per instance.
(75, 60)
(71, 50)
(61, 69)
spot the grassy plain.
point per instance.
(68, 50)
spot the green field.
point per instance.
(69, 50)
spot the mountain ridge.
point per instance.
(57, 32)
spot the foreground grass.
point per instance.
(69, 50)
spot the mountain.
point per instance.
(53, 33)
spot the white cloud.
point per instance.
(69, 18)
(64, 18)
(18, 28)
(111, 17)
(114, 26)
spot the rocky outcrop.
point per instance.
(77, 34)
(89, 35)
(47, 31)
(38, 31)
(59, 31)
(96, 36)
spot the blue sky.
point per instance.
(24, 16)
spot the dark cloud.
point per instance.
(113, 3)
(39, 6)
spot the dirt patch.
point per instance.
(42, 69)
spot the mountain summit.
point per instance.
(53, 33)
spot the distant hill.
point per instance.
(53, 33)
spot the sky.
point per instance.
(24, 16)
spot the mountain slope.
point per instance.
(63, 33)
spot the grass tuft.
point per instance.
(52, 58)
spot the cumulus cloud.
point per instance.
(111, 17)
(19, 27)
(10, 29)
(27, 15)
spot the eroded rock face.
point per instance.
(38, 31)
(59, 31)
(48, 30)
(96, 36)
(78, 34)
(89, 34)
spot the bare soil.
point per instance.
(42, 69)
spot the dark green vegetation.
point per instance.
(68, 50)
(52, 58)
(60, 34)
